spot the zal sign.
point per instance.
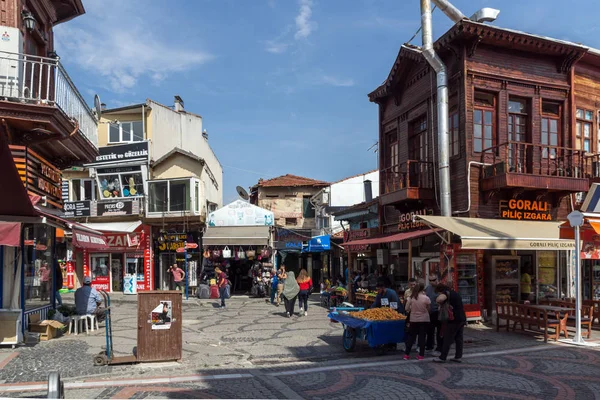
(122, 240)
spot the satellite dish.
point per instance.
(97, 106)
(242, 193)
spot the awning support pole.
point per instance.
(577, 338)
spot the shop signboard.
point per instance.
(115, 208)
(174, 241)
(319, 243)
(75, 209)
(407, 220)
(525, 210)
(289, 240)
(123, 153)
(42, 178)
(241, 213)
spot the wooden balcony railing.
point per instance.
(534, 159)
(411, 174)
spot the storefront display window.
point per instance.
(547, 275)
(38, 265)
(120, 182)
(100, 271)
(506, 279)
(466, 268)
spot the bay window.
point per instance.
(126, 132)
(174, 196)
(120, 182)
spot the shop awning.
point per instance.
(395, 237)
(10, 234)
(14, 200)
(480, 233)
(83, 236)
(236, 235)
(126, 227)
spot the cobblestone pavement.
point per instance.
(248, 336)
(543, 372)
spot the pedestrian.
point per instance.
(434, 333)
(290, 293)
(412, 282)
(451, 305)
(58, 278)
(281, 277)
(418, 306)
(305, 284)
(45, 281)
(178, 275)
(222, 283)
(274, 284)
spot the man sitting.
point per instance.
(88, 300)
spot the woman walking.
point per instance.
(281, 277)
(305, 283)
(453, 327)
(222, 285)
(290, 293)
(418, 306)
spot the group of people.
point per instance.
(436, 319)
(285, 285)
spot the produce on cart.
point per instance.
(378, 327)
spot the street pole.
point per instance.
(576, 221)
(577, 338)
(187, 272)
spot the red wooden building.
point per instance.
(524, 139)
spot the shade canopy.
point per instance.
(10, 234)
(395, 237)
(126, 227)
(236, 235)
(503, 234)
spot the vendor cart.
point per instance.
(378, 334)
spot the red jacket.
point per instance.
(305, 285)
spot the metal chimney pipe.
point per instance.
(368, 190)
(442, 104)
(452, 12)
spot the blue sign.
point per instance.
(318, 244)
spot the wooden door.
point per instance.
(160, 336)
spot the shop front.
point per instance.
(182, 249)
(238, 241)
(503, 260)
(125, 264)
(288, 245)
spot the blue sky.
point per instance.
(281, 84)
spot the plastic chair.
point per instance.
(77, 323)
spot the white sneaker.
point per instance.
(288, 314)
(305, 313)
(301, 309)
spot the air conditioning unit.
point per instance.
(11, 62)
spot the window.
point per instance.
(517, 134)
(308, 210)
(126, 132)
(38, 265)
(120, 182)
(83, 189)
(291, 221)
(583, 130)
(484, 121)
(174, 196)
(272, 196)
(417, 143)
(550, 124)
(454, 134)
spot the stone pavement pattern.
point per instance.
(248, 334)
(548, 372)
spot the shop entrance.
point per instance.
(116, 269)
(424, 267)
(166, 260)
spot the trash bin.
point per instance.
(160, 335)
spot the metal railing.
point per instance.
(44, 81)
(533, 159)
(410, 174)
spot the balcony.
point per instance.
(527, 166)
(412, 180)
(39, 99)
(176, 199)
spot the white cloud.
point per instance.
(335, 81)
(276, 47)
(122, 49)
(304, 25)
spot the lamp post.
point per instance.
(576, 221)
(187, 272)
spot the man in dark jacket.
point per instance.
(452, 330)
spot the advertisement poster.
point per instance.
(161, 315)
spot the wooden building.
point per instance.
(524, 139)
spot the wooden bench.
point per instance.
(526, 314)
(587, 314)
